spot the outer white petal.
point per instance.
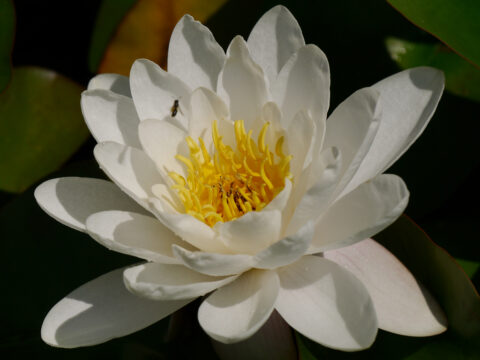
(408, 101)
(193, 54)
(403, 306)
(162, 141)
(300, 136)
(238, 310)
(110, 117)
(213, 264)
(155, 90)
(274, 38)
(319, 196)
(72, 200)
(206, 106)
(170, 282)
(134, 234)
(286, 250)
(131, 169)
(100, 310)
(251, 232)
(361, 213)
(190, 229)
(119, 84)
(242, 84)
(352, 128)
(327, 304)
(274, 340)
(303, 84)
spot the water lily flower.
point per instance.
(229, 182)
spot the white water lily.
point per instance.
(231, 183)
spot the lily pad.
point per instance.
(41, 126)
(145, 31)
(456, 23)
(7, 33)
(462, 78)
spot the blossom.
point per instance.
(230, 182)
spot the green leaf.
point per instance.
(470, 267)
(303, 352)
(462, 78)
(109, 16)
(7, 32)
(454, 22)
(41, 126)
(435, 268)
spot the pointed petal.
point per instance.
(170, 282)
(352, 128)
(287, 250)
(403, 305)
(213, 264)
(318, 197)
(303, 84)
(251, 232)
(100, 310)
(110, 117)
(361, 213)
(300, 137)
(154, 90)
(118, 84)
(242, 84)
(193, 54)
(134, 234)
(72, 200)
(238, 310)
(131, 169)
(274, 38)
(408, 100)
(274, 340)
(162, 141)
(327, 304)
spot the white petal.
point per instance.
(193, 54)
(327, 304)
(72, 200)
(237, 310)
(251, 232)
(110, 117)
(242, 84)
(403, 306)
(206, 107)
(131, 169)
(408, 101)
(170, 282)
(318, 197)
(361, 213)
(300, 137)
(280, 201)
(190, 229)
(119, 84)
(100, 310)
(162, 141)
(287, 250)
(352, 128)
(303, 84)
(274, 38)
(155, 90)
(134, 234)
(274, 340)
(213, 264)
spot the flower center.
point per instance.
(230, 183)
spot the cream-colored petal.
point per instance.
(170, 282)
(273, 39)
(72, 200)
(402, 304)
(101, 310)
(110, 117)
(193, 54)
(327, 304)
(236, 311)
